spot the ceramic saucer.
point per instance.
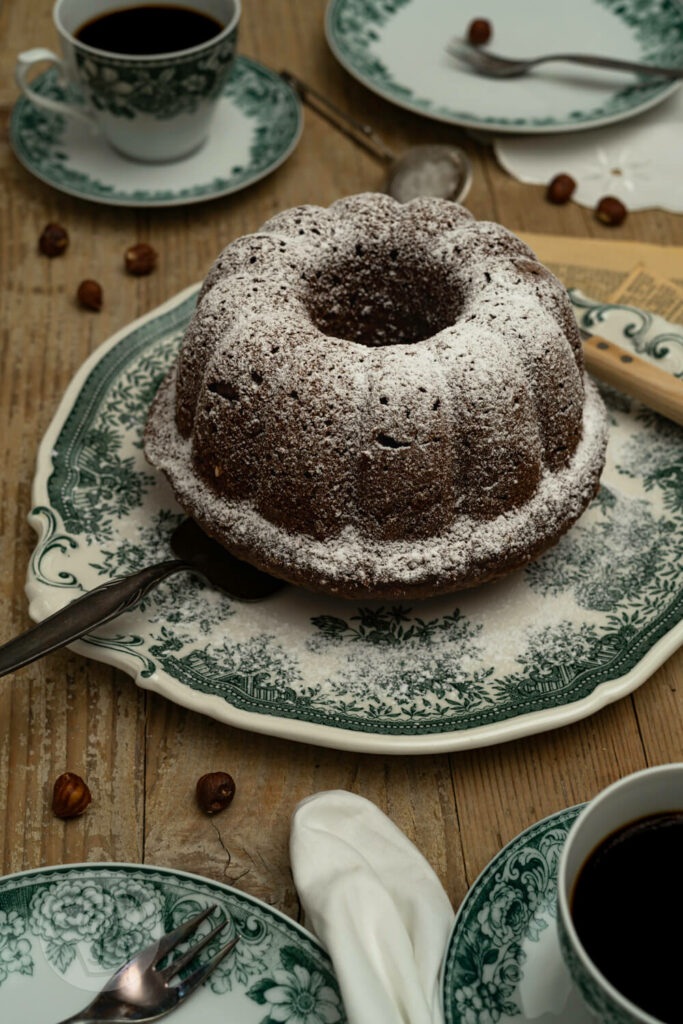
(256, 126)
(397, 49)
(65, 930)
(503, 961)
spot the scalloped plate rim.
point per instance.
(487, 126)
(220, 709)
(159, 203)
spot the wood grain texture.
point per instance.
(140, 754)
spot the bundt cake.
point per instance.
(380, 400)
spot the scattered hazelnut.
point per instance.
(560, 189)
(610, 211)
(215, 791)
(54, 240)
(70, 796)
(479, 31)
(140, 259)
(89, 294)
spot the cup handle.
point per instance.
(38, 55)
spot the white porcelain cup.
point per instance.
(155, 107)
(652, 791)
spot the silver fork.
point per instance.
(487, 63)
(140, 990)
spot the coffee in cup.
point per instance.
(620, 892)
(148, 76)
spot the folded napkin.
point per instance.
(375, 904)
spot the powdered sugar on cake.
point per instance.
(381, 400)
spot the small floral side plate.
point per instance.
(65, 930)
(503, 964)
(256, 126)
(580, 627)
(397, 49)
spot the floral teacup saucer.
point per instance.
(503, 962)
(257, 124)
(65, 930)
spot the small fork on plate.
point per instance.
(140, 991)
(487, 63)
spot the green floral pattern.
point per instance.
(95, 918)
(512, 902)
(542, 639)
(39, 138)
(355, 26)
(298, 993)
(161, 90)
(585, 564)
(15, 949)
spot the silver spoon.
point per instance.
(487, 63)
(195, 552)
(444, 172)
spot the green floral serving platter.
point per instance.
(65, 930)
(581, 627)
(397, 49)
(256, 126)
(503, 964)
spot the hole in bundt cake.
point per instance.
(390, 442)
(376, 296)
(222, 388)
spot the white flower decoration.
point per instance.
(300, 997)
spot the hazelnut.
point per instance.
(70, 796)
(215, 791)
(560, 189)
(89, 294)
(54, 240)
(479, 32)
(140, 259)
(610, 211)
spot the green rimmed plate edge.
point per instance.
(477, 124)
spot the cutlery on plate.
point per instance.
(140, 991)
(487, 63)
(634, 376)
(195, 551)
(431, 170)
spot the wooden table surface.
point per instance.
(140, 754)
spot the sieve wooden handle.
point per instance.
(634, 376)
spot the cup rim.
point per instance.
(563, 902)
(143, 57)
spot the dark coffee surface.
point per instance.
(152, 28)
(627, 907)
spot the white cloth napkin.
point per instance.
(375, 904)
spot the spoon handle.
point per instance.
(362, 134)
(82, 615)
(614, 64)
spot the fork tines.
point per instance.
(167, 943)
